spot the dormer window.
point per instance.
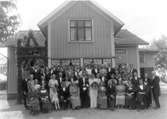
(80, 30)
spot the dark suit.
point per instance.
(84, 92)
(135, 89)
(156, 90)
(147, 88)
(60, 91)
(111, 93)
(95, 71)
(25, 91)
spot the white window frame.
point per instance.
(86, 41)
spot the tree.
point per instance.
(161, 57)
(9, 20)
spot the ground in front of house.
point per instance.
(11, 110)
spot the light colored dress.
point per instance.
(120, 95)
(102, 98)
(93, 91)
(53, 90)
(75, 95)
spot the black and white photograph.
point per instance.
(83, 59)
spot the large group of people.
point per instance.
(90, 86)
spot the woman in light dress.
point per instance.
(53, 84)
(93, 90)
(120, 93)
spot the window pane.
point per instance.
(73, 34)
(88, 34)
(81, 34)
(88, 23)
(72, 23)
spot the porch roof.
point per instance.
(40, 39)
(125, 37)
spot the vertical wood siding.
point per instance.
(102, 30)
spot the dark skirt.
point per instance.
(111, 102)
(34, 105)
(46, 106)
(129, 101)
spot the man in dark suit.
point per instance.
(25, 91)
(84, 91)
(147, 88)
(156, 89)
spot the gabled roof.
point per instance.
(125, 37)
(20, 35)
(68, 4)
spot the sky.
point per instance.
(145, 18)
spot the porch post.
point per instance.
(49, 46)
(81, 61)
(113, 50)
(138, 61)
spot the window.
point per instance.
(142, 58)
(121, 56)
(80, 30)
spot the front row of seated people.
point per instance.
(82, 90)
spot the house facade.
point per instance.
(81, 32)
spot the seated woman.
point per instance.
(102, 97)
(74, 93)
(129, 98)
(111, 92)
(120, 93)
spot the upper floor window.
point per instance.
(80, 30)
(142, 58)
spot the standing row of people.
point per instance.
(93, 86)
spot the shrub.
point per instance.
(3, 85)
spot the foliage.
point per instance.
(3, 85)
(161, 57)
(9, 20)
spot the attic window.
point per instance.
(80, 30)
